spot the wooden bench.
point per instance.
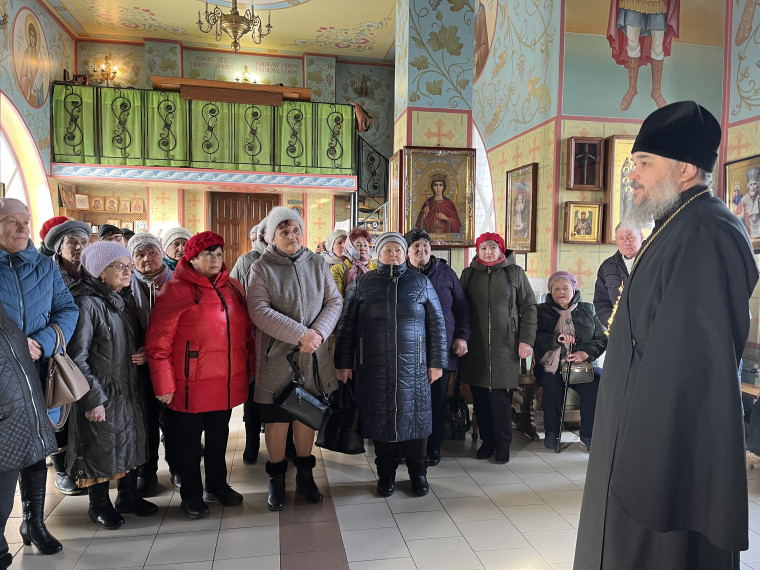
(750, 390)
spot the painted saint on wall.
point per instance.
(438, 214)
(642, 32)
(30, 58)
(748, 206)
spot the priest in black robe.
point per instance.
(666, 486)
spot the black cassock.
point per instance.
(668, 451)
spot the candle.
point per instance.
(206, 6)
(199, 15)
(269, 20)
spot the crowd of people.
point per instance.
(169, 339)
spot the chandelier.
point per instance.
(235, 25)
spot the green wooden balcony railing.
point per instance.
(102, 125)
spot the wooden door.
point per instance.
(232, 216)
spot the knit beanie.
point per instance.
(55, 233)
(494, 237)
(98, 256)
(278, 215)
(50, 224)
(107, 229)
(174, 233)
(557, 275)
(201, 241)
(389, 237)
(416, 234)
(253, 233)
(142, 240)
(9, 206)
(332, 236)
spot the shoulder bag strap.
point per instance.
(60, 341)
(317, 377)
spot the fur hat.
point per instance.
(683, 131)
(98, 256)
(558, 275)
(332, 236)
(108, 229)
(174, 233)
(55, 233)
(492, 237)
(201, 241)
(9, 206)
(415, 234)
(278, 215)
(142, 240)
(390, 237)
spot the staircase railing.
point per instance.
(372, 184)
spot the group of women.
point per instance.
(165, 336)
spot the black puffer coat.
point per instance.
(25, 431)
(391, 331)
(106, 337)
(589, 335)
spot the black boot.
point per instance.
(129, 502)
(252, 443)
(305, 479)
(63, 482)
(101, 510)
(33, 529)
(6, 558)
(276, 497)
(147, 481)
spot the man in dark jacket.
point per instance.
(614, 271)
(665, 491)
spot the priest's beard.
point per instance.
(660, 198)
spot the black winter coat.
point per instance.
(391, 331)
(25, 431)
(106, 337)
(611, 275)
(590, 335)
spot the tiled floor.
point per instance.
(521, 516)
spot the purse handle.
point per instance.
(60, 341)
(298, 376)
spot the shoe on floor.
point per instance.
(195, 508)
(227, 496)
(550, 440)
(587, 442)
(484, 451)
(176, 481)
(386, 486)
(420, 485)
(752, 459)
(434, 457)
(146, 484)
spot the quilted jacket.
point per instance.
(198, 342)
(34, 295)
(25, 431)
(391, 331)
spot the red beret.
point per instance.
(493, 237)
(50, 224)
(201, 241)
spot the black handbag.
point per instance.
(459, 412)
(297, 401)
(577, 372)
(341, 431)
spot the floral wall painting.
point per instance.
(522, 207)
(30, 58)
(485, 19)
(745, 72)
(438, 194)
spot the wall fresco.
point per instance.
(357, 40)
(129, 61)
(319, 218)
(745, 61)
(163, 209)
(162, 58)
(319, 72)
(440, 129)
(195, 219)
(222, 66)
(401, 83)
(399, 131)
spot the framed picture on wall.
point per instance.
(127, 226)
(585, 163)
(116, 223)
(439, 194)
(97, 204)
(82, 201)
(67, 195)
(522, 200)
(583, 222)
(141, 226)
(137, 205)
(619, 188)
(395, 177)
(444, 254)
(742, 192)
(125, 206)
(111, 204)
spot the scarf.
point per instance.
(172, 263)
(358, 261)
(551, 360)
(490, 263)
(290, 256)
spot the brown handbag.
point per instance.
(65, 382)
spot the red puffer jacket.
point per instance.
(200, 342)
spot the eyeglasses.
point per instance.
(119, 267)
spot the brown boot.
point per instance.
(633, 76)
(656, 82)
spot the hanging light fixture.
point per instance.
(235, 25)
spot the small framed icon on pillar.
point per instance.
(585, 163)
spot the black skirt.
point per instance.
(273, 414)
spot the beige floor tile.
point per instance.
(254, 563)
(176, 521)
(248, 542)
(73, 505)
(403, 501)
(493, 475)
(465, 509)
(115, 552)
(547, 482)
(513, 559)
(394, 563)
(70, 527)
(529, 463)
(446, 468)
(443, 554)
(575, 471)
(205, 565)
(347, 473)
(556, 546)
(562, 566)
(564, 502)
(183, 547)
(538, 518)
(455, 487)
(430, 524)
(29, 559)
(364, 516)
(354, 493)
(572, 519)
(249, 514)
(374, 544)
(492, 535)
(512, 495)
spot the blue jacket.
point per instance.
(34, 296)
(454, 304)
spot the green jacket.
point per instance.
(498, 326)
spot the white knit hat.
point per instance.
(98, 256)
(332, 236)
(173, 233)
(143, 239)
(278, 215)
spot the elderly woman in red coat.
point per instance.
(198, 350)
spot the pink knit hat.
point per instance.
(563, 275)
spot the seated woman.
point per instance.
(355, 260)
(566, 323)
(108, 425)
(392, 331)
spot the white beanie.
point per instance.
(253, 233)
(174, 233)
(278, 215)
(332, 236)
(142, 240)
(98, 256)
(9, 206)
